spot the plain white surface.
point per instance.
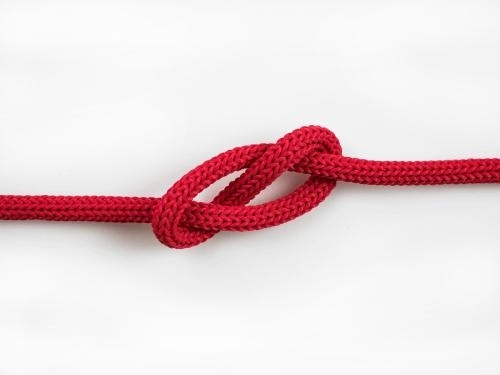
(103, 97)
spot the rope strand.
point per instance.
(179, 222)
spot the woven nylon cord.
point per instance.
(180, 222)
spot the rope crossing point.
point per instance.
(180, 222)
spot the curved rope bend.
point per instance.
(180, 222)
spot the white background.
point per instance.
(103, 97)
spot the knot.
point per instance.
(180, 222)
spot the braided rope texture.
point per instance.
(180, 222)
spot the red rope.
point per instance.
(179, 222)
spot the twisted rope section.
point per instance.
(263, 165)
(180, 222)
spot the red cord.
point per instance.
(180, 222)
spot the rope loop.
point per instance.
(179, 222)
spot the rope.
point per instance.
(180, 222)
